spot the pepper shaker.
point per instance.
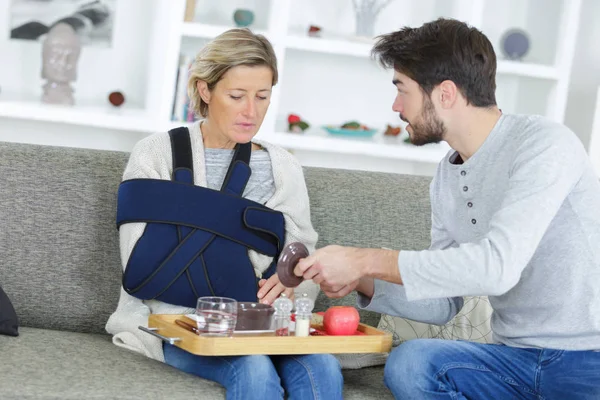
(283, 311)
(304, 307)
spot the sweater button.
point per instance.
(473, 221)
(465, 188)
(469, 204)
(463, 173)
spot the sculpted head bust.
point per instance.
(60, 54)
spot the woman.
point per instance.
(230, 87)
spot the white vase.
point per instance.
(365, 23)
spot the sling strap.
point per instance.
(197, 239)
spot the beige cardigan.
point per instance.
(151, 158)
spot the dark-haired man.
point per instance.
(515, 216)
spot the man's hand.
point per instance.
(336, 292)
(340, 270)
(366, 286)
(333, 267)
(271, 288)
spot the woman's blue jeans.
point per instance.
(441, 369)
(303, 377)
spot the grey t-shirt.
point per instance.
(260, 187)
(519, 221)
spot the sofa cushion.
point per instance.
(368, 209)
(59, 241)
(67, 365)
(9, 324)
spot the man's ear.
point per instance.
(448, 94)
(203, 91)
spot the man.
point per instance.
(515, 216)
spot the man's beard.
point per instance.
(429, 128)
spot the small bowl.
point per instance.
(243, 17)
(254, 317)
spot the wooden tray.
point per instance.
(164, 326)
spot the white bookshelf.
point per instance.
(536, 84)
(363, 49)
(531, 70)
(328, 46)
(330, 79)
(124, 119)
(207, 31)
(382, 147)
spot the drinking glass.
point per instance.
(216, 316)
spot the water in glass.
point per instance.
(216, 316)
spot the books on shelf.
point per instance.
(181, 102)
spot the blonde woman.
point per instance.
(230, 87)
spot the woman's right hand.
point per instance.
(271, 289)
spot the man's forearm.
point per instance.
(389, 298)
(366, 287)
(380, 264)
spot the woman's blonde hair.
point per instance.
(230, 49)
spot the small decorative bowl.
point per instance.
(350, 132)
(243, 17)
(515, 44)
(254, 316)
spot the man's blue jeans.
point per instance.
(317, 376)
(442, 369)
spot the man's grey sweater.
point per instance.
(519, 222)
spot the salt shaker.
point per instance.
(283, 311)
(304, 307)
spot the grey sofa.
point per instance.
(60, 267)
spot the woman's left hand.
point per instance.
(271, 288)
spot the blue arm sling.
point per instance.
(196, 240)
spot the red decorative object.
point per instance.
(282, 332)
(293, 118)
(296, 124)
(392, 131)
(116, 99)
(314, 31)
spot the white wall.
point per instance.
(585, 78)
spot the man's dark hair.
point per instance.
(444, 49)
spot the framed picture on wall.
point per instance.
(91, 19)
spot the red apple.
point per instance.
(341, 320)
